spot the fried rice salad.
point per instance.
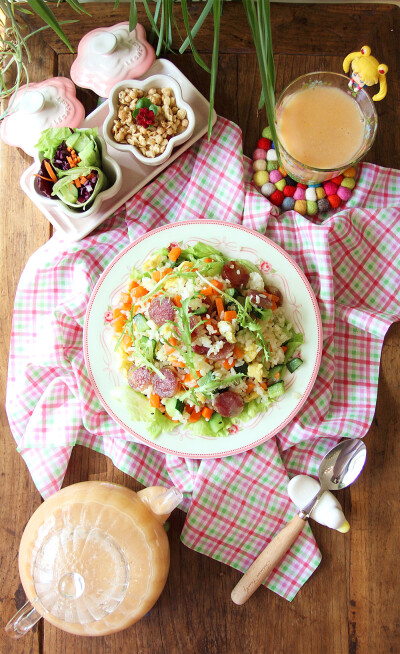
(203, 340)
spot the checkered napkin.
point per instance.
(234, 505)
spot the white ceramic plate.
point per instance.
(237, 242)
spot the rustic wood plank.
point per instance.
(23, 230)
(296, 28)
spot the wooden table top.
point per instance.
(351, 602)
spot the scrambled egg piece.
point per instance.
(250, 351)
(166, 331)
(227, 330)
(255, 370)
(152, 262)
(170, 282)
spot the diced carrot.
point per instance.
(189, 409)
(228, 365)
(178, 364)
(188, 378)
(250, 387)
(264, 385)
(168, 349)
(277, 375)
(166, 271)
(155, 400)
(77, 183)
(119, 323)
(125, 297)
(207, 291)
(127, 305)
(217, 284)
(69, 149)
(51, 172)
(237, 352)
(220, 307)
(174, 253)
(161, 408)
(139, 291)
(284, 347)
(207, 260)
(132, 284)
(207, 413)
(127, 340)
(195, 416)
(117, 313)
(173, 341)
(274, 306)
(270, 296)
(177, 301)
(135, 309)
(156, 275)
(230, 315)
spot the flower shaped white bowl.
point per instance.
(155, 81)
(112, 171)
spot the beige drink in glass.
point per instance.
(323, 127)
(94, 558)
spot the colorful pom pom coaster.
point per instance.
(287, 194)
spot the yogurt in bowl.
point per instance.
(148, 118)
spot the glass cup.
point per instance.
(307, 174)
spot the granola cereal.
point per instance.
(152, 140)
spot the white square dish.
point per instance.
(135, 175)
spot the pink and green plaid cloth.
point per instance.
(234, 505)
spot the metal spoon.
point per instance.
(338, 469)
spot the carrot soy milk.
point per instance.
(322, 127)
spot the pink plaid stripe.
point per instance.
(234, 505)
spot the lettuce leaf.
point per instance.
(141, 411)
(62, 188)
(51, 138)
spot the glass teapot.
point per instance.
(94, 558)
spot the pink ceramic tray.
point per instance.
(134, 174)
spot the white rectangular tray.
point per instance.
(134, 174)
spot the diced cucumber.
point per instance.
(242, 369)
(293, 364)
(292, 345)
(201, 310)
(272, 372)
(232, 292)
(276, 390)
(147, 346)
(216, 422)
(174, 406)
(140, 322)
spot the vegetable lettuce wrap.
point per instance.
(78, 187)
(71, 166)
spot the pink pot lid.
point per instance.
(108, 55)
(35, 107)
